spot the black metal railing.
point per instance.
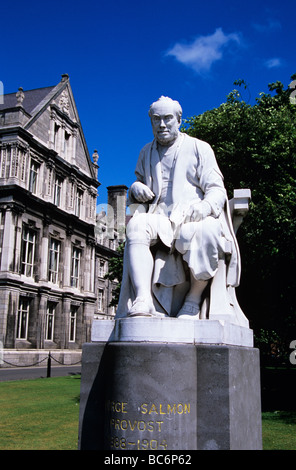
(48, 358)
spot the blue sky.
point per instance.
(123, 55)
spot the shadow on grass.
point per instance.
(287, 417)
(76, 376)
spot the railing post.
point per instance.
(48, 365)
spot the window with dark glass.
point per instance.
(58, 191)
(50, 317)
(28, 251)
(33, 176)
(75, 268)
(54, 260)
(78, 202)
(23, 318)
(72, 323)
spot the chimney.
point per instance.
(116, 213)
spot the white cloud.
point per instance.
(273, 63)
(204, 51)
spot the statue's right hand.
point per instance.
(141, 192)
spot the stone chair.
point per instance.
(220, 302)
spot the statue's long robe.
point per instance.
(196, 177)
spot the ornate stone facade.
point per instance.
(52, 264)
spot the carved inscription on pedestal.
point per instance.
(144, 426)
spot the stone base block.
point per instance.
(161, 397)
(172, 330)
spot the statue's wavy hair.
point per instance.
(176, 104)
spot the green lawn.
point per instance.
(279, 430)
(40, 414)
(43, 414)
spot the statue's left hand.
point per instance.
(198, 211)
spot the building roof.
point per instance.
(31, 100)
(34, 103)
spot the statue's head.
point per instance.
(166, 118)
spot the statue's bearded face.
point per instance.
(165, 123)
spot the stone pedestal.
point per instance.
(168, 395)
(171, 330)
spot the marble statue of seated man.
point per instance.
(180, 224)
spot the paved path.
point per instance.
(21, 373)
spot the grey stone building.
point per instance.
(52, 262)
(109, 233)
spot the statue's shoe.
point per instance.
(190, 310)
(140, 308)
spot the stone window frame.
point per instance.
(73, 323)
(50, 320)
(76, 266)
(23, 315)
(63, 134)
(53, 275)
(78, 202)
(34, 176)
(28, 250)
(102, 268)
(101, 295)
(58, 191)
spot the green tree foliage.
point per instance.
(255, 146)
